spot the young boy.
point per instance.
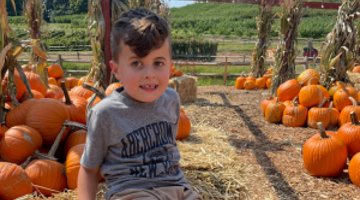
(131, 133)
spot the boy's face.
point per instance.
(144, 79)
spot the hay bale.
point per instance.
(355, 78)
(186, 86)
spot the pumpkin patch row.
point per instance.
(250, 82)
(303, 101)
(33, 131)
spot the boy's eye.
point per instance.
(136, 64)
(159, 64)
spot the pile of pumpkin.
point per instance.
(43, 138)
(315, 104)
(250, 82)
(325, 154)
(174, 72)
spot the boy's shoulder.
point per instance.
(118, 101)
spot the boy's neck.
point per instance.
(123, 92)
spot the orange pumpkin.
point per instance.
(354, 172)
(111, 88)
(54, 92)
(288, 90)
(43, 173)
(266, 102)
(14, 182)
(37, 95)
(294, 115)
(239, 83)
(341, 96)
(52, 81)
(75, 138)
(35, 83)
(356, 69)
(310, 95)
(18, 143)
(268, 83)
(97, 100)
(319, 152)
(81, 92)
(55, 71)
(350, 134)
(72, 165)
(318, 114)
(17, 116)
(82, 79)
(308, 74)
(47, 116)
(260, 83)
(20, 86)
(67, 83)
(334, 115)
(184, 127)
(344, 116)
(178, 73)
(72, 81)
(75, 105)
(249, 84)
(274, 111)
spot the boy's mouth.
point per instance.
(148, 88)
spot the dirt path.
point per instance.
(272, 152)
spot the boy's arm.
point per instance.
(87, 183)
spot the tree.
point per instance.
(78, 6)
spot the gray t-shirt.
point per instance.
(134, 142)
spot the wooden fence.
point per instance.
(181, 63)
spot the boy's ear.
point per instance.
(114, 67)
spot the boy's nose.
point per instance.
(149, 73)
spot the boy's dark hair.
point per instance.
(141, 29)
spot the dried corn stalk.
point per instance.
(33, 15)
(286, 52)
(8, 59)
(338, 50)
(264, 22)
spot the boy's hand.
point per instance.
(87, 183)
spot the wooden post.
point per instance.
(225, 71)
(306, 63)
(244, 58)
(105, 4)
(60, 60)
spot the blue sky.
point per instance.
(175, 3)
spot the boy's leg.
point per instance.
(136, 194)
(177, 193)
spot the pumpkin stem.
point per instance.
(322, 102)
(66, 93)
(354, 119)
(75, 124)
(95, 90)
(353, 101)
(331, 105)
(322, 131)
(309, 82)
(43, 156)
(27, 161)
(276, 100)
(294, 99)
(57, 142)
